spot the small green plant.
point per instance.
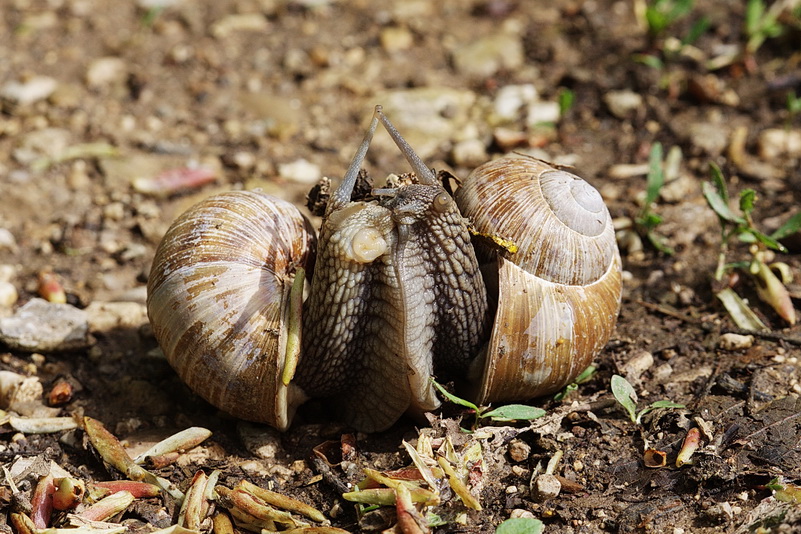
(740, 227)
(507, 413)
(793, 107)
(150, 15)
(648, 220)
(520, 525)
(566, 100)
(662, 14)
(658, 16)
(625, 395)
(585, 375)
(761, 23)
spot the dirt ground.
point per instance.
(107, 105)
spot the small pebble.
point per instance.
(519, 512)
(107, 316)
(731, 341)
(712, 138)
(244, 160)
(41, 326)
(720, 512)
(300, 171)
(7, 240)
(519, 450)
(623, 103)
(396, 39)
(484, 57)
(545, 487)
(540, 113)
(662, 372)
(638, 363)
(239, 22)
(261, 441)
(8, 294)
(30, 91)
(469, 153)
(511, 99)
(777, 142)
(519, 471)
(106, 71)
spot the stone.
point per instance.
(106, 71)
(107, 316)
(489, 55)
(731, 341)
(427, 117)
(510, 100)
(545, 487)
(41, 326)
(29, 91)
(300, 171)
(623, 104)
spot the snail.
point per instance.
(510, 287)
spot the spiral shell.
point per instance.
(222, 272)
(558, 275)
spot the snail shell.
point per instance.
(558, 295)
(223, 272)
(396, 295)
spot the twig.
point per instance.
(664, 310)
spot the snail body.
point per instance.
(396, 295)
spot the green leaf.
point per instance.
(521, 525)
(698, 28)
(566, 100)
(650, 220)
(767, 240)
(719, 181)
(649, 60)
(568, 389)
(790, 227)
(659, 243)
(435, 520)
(625, 395)
(656, 178)
(717, 201)
(453, 398)
(585, 375)
(514, 412)
(753, 15)
(747, 200)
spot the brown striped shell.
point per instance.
(559, 293)
(223, 270)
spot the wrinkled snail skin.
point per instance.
(397, 294)
(559, 295)
(374, 331)
(222, 272)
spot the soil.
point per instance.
(104, 102)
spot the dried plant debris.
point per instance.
(442, 485)
(56, 502)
